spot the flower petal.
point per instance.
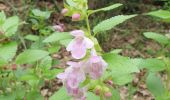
(77, 33)
(89, 43)
(70, 45)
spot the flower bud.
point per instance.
(14, 66)
(98, 89)
(110, 82)
(64, 11)
(107, 94)
(76, 17)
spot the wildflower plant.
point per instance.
(27, 61)
(87, 76)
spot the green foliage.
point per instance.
(110, 23)
(8, 51)
(105, 8)
(29, 56)
(60, 94)
(162, 14)
(57, 36)
(119, 64)
(8, 26)
(92, 96)
(163, 40)
(153, 65)
(155, 85)
(41, 14)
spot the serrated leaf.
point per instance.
(119, 65)
(8, 51)
(163, 14)
(61, 94)
(110, 23)
(57, 36)
(29, 56)
(151, 64)
(92, 96)
(157, 37)
(155, 85)
(32, 37)
(106, 8)
(122, 79)
(10, 26)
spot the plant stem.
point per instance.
(88, 25)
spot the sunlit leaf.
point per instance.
(106, 8)
(8, 51)
(157, 37)
(29, 56)
(57, 36)
(110, 23)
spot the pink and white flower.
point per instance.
(95, 66)
(72, 77)
(79, 44)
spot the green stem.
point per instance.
(88, 25)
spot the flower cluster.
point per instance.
(77, 72)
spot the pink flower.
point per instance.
(95, 66)
(59, 28)
(72, 77)
(79, 44)
(76, 17)
(64, 11)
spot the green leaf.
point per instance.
(8, 51)
(34, 95)
(57, 36)
(92, 96)
(42, 14)
(155, 85)
(32, 37)
(163, 14)
(115, 94)
(123, 79)
(29, 56)
(119, 65)
(106, 8)
(151, 64)
(157, 37)
(28, 76)
(2, 17)
(71, 3)
(10, 26)
(7, 97)
(46, 62)
(110, 23)
(61, 94)
(2, 62)
(65, 42)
